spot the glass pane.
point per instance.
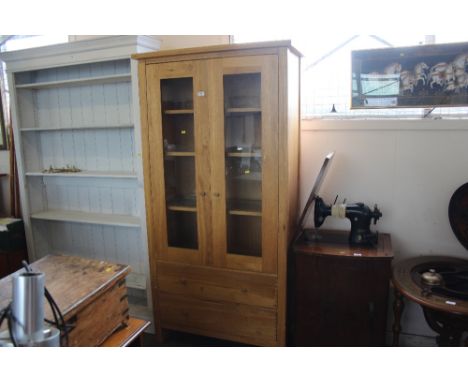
(179, 162)
(178, 132)
(243, 147)
(182, 229)
(177, 93)
(244, 235)
(179, 175)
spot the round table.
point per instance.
(447, 316)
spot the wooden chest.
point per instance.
(91, 294)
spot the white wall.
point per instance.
(410, 168)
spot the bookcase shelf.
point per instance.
(88, 217)
(77, 82)
(87, 174)
(59, 128)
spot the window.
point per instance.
(326, 73)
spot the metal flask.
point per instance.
(28, 312)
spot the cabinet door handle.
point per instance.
(216, 194)
(203, 194)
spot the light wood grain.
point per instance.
(243, 110)
(124, 336)
(206, 291)
(237, 49)
(180, 153)
(289, 135)
(179, 111)
(149, 200)
(203, 128)
(181, 208)
(156, 73)
(244, 213)
(268, 68)
(216, 284)
(243, 155)
(217, 150)
(235, 322)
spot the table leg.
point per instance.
(398, 306)
(448, 328)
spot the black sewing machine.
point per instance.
(359, 214)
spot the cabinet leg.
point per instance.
(398, 306)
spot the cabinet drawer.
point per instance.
(216, 284)
(233, 322)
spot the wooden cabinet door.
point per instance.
(244, 157)
(177, 157)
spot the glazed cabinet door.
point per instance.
(244, 157)
(179, 182)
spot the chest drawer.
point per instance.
(218, 284)
(235, 322)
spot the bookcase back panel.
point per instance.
(114, 244)
(108, 104)
(103, 196)
(90, 150)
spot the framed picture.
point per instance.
(418, 76)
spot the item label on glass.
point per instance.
(451, 302)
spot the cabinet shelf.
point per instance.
(249, 177)
(173, 207)
(180, 154)
(237, 110)
(243, 155)
(30, 129)
(88, 217)
(184, 204)
(244, 207)
(178, 111)
(244, 213)
(87, 174)
(77, 82)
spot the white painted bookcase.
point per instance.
(77, 104)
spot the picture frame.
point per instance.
(417, 76)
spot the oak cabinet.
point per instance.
(220, 129)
